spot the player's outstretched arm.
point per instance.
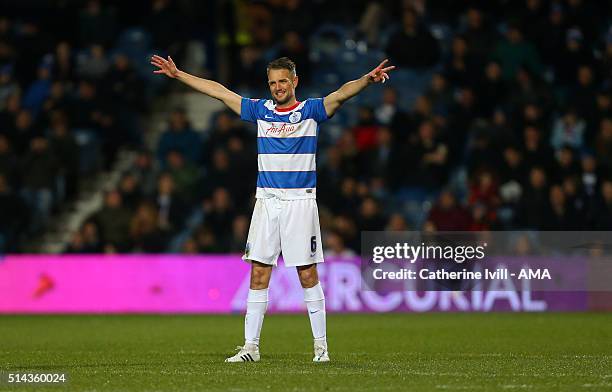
(334, 100)
(208, 87)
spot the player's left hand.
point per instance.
(380, 73)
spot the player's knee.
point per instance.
(260, 277)
(308, 276)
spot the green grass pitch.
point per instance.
(369, 352)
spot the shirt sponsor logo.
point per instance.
(283, 130)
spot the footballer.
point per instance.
(285, 218)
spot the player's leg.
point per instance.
(302, 248)
(262, 251)
(257, 302)
(315, 303)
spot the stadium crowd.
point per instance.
(508, 124)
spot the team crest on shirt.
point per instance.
(295, 117)
(247, 249)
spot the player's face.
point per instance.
(282, 85)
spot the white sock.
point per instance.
(257, 303)
(315, 303)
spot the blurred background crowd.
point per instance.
(499, 117)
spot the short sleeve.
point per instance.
(248, 109)
(317, 110)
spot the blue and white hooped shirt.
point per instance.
(286, 146)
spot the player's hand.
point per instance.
(380, 73)
(166, 67)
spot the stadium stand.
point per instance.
(498, 117)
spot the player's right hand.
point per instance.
(166, 67)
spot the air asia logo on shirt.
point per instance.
(282, 130)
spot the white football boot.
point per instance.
(320, 353)
(246, 353)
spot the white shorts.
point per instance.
(287, 226)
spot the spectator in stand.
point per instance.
(146, 236)
(22, 132)
(479, 35)
(41, 170)
(534, 201)
(85, 112)
(335, 247)
(602, 211)
(64, 63)
(396, 222)
(179, 137)
(65, 148)
(603, 111)
(76, 245)
(8, 162)
(482, 219)
(535, 151)
(388, 112)
(378, 161)
(86, 240)
(514, 52)
(122, 84)
(145, 170)
(460, 120)
(583, 95)
(240, 230)
(550, 38)
(566, 164)
(206, 241)
(14, 217)
(114, 222)
(569, 129)
(8, 86)
(219, 135)
(38, 91)
(603, 145)
(574, 54)
(129, 188)
(576, 199)
(370, 218)
(166, 25)
(220, 175)
(186, 175)
(591, 175)
(481, 152)
(491, 90)
(96, 24)
(57, 101)
(439, 94)
(93, 64)
(219, 214)
(560, 215)
(462, 68)
(366, 129)
(484, 191)
(413, 46)
(172, 208)
(91, 237)
(447, 215)
(512, 168)
(429, 157)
